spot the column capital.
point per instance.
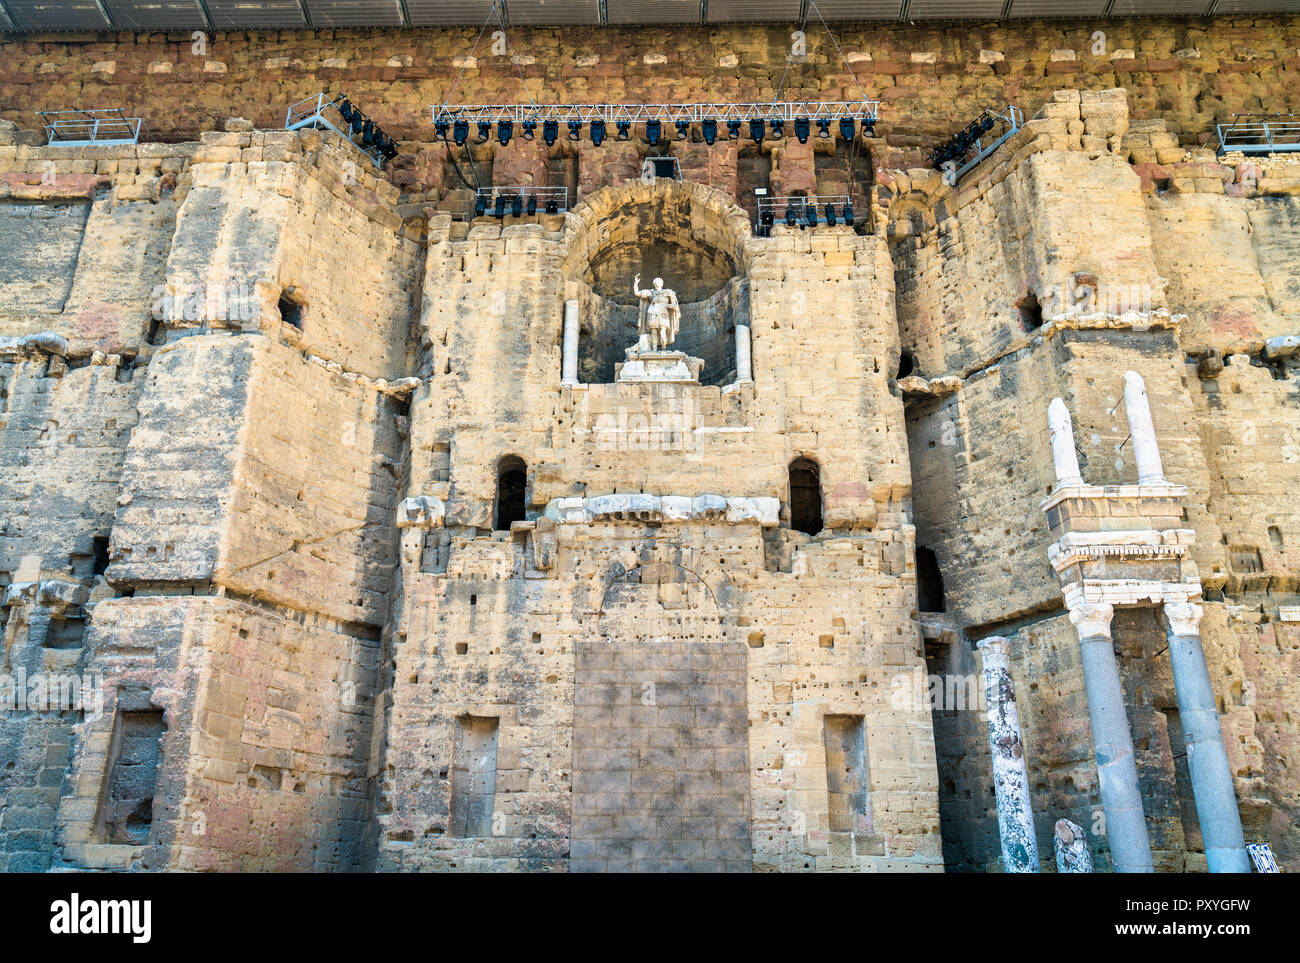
(1182, 618)
(1092, 618)
(994, 647)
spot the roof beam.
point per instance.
(1110, 5)
(1006, 10)
(306, 14)
(904, 8)
(108, 17)
(4, 9)
(402, 12)
(207, 15)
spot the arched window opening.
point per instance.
(929, 581)
(805, 496)
(906, 365)
(290, 311)
(512, 482)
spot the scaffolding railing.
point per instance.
(80, 128)
(802, 211)
(1259, 134)
(335, 112)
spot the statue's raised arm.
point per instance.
(637, 290)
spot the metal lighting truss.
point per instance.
(612, 114)
(802, 211)
(325, 111)
(1260, 134)
(548, 200)
(968, 148)
(78, 128)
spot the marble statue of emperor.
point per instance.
(659, 315)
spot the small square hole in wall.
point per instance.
(462, 648)
(290, 311)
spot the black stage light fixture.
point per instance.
(501, 206)
(460, 131)
(830, 214)
(791, 218)
(756, 128)
(823, 127)
(575, 129)
(517, 205)
(683, 129)
(480, 205)
(778, 129)
(810, 215)
(484, 130)
(597, 132)
(802, 128)
(709, 128)
(368, 133)
(552, 207)
(847, 128)
(869, 127)
(505, 129)
(530, 129)
(550, 131)
(848, 213)
(652, 131)
(766, 217)
(532, 204)
(440, 129)
(624, 129)
(733, 130)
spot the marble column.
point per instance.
(1064, 455)
(744, 364)
(569, 366)
(1207, 759)
(1010, 773)
(1142, 430)
(1112, 741)
(1072, 854)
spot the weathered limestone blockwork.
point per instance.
(288, 403)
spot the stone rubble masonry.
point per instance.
(201, 488)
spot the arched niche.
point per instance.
(693, 237)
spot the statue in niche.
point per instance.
(659, 315)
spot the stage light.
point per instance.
(733, 130)
(848, 213)
(530, 129)
(802, 128)
(791, 218)
(830, 214)
(516, 205)
(500, 206)
(552, 207)
(484, 130)
(575, 129)
(480, 205)
(505, 128)
(550, 131)
(778, 129)
(709, 128)
(810, 215)
(683, 129)
(824, 127)
(440, 129)
(869, 127)
(532, 204)
(847, 128)
(460, 131)
(756, 128)
(652, 130)
(597, 132)
(624, 129)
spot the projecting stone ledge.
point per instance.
(664, 508)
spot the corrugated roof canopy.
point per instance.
(29, 16)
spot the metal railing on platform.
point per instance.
(80, 128)
(1259, 134)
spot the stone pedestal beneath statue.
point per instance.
(658, 366)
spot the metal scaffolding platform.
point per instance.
(802, 210)
(968, 148)
(1260, 134)
(337, 113)
(80, 128)
(501, 202)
